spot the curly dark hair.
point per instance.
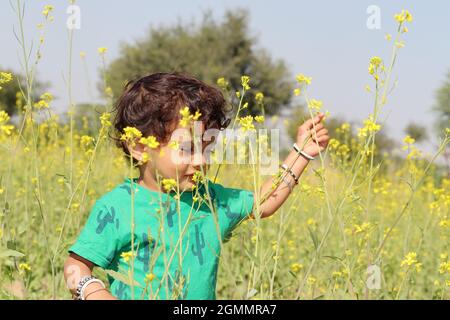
(152, 104)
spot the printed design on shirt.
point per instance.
(126, 187)
(212, 193)
(232, 215)
(145, 249)
(111, 256)
(199, 245)
(170, 212)
(120, 291)
(104, 218)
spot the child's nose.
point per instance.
(198, 160)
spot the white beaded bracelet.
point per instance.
(297, 149)
(82, 297)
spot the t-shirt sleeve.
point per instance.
(233, 205)
(98, 242)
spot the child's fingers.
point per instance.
(318, 127)
(308, 124)
(320, 134)
(323, 138)
(320, 130)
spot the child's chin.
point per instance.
(186, 186)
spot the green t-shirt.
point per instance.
(166, 266)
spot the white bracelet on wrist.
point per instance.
(82, 296)
(301, 152)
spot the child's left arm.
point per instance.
(317, 143)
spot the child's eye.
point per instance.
(185, 148)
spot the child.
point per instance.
(164, 230)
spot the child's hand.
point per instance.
(317, 133)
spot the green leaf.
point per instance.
(314, 238)
(23, 227)
(123, 278)
(333, 257)
(6, 253)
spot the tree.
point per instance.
(442, 106)
(442, 109)
(86, 117)
(208, 51)
(10, 93)
(417, 132)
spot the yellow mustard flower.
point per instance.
(311, 280)
(145, 157)
(400, 44)
(259, 97)
(150, 142)
(126, 256)
(175, 145)
(102, 50)
(444, 267)
(105, 119)
(411, 260)
(108, 91)
(47, 9)
(259, 119)
(370, 126)
(5, 77)
(246, 123)
(130, 134)
(169, 184)
(403, 16)
(24, 267)
(296, 267)
(187, 117)
(149, 277)
(302, 79)
(46, 98)
(221, 82)
(4, 117)
(409, 140)
(245, 82)
(86, 140)
(375, 65)
(315, 104)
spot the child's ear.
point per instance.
(137, 150)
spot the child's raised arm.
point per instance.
(77, 267)
(312, 147)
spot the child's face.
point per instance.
(183, 155)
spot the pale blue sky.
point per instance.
(327, 40)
